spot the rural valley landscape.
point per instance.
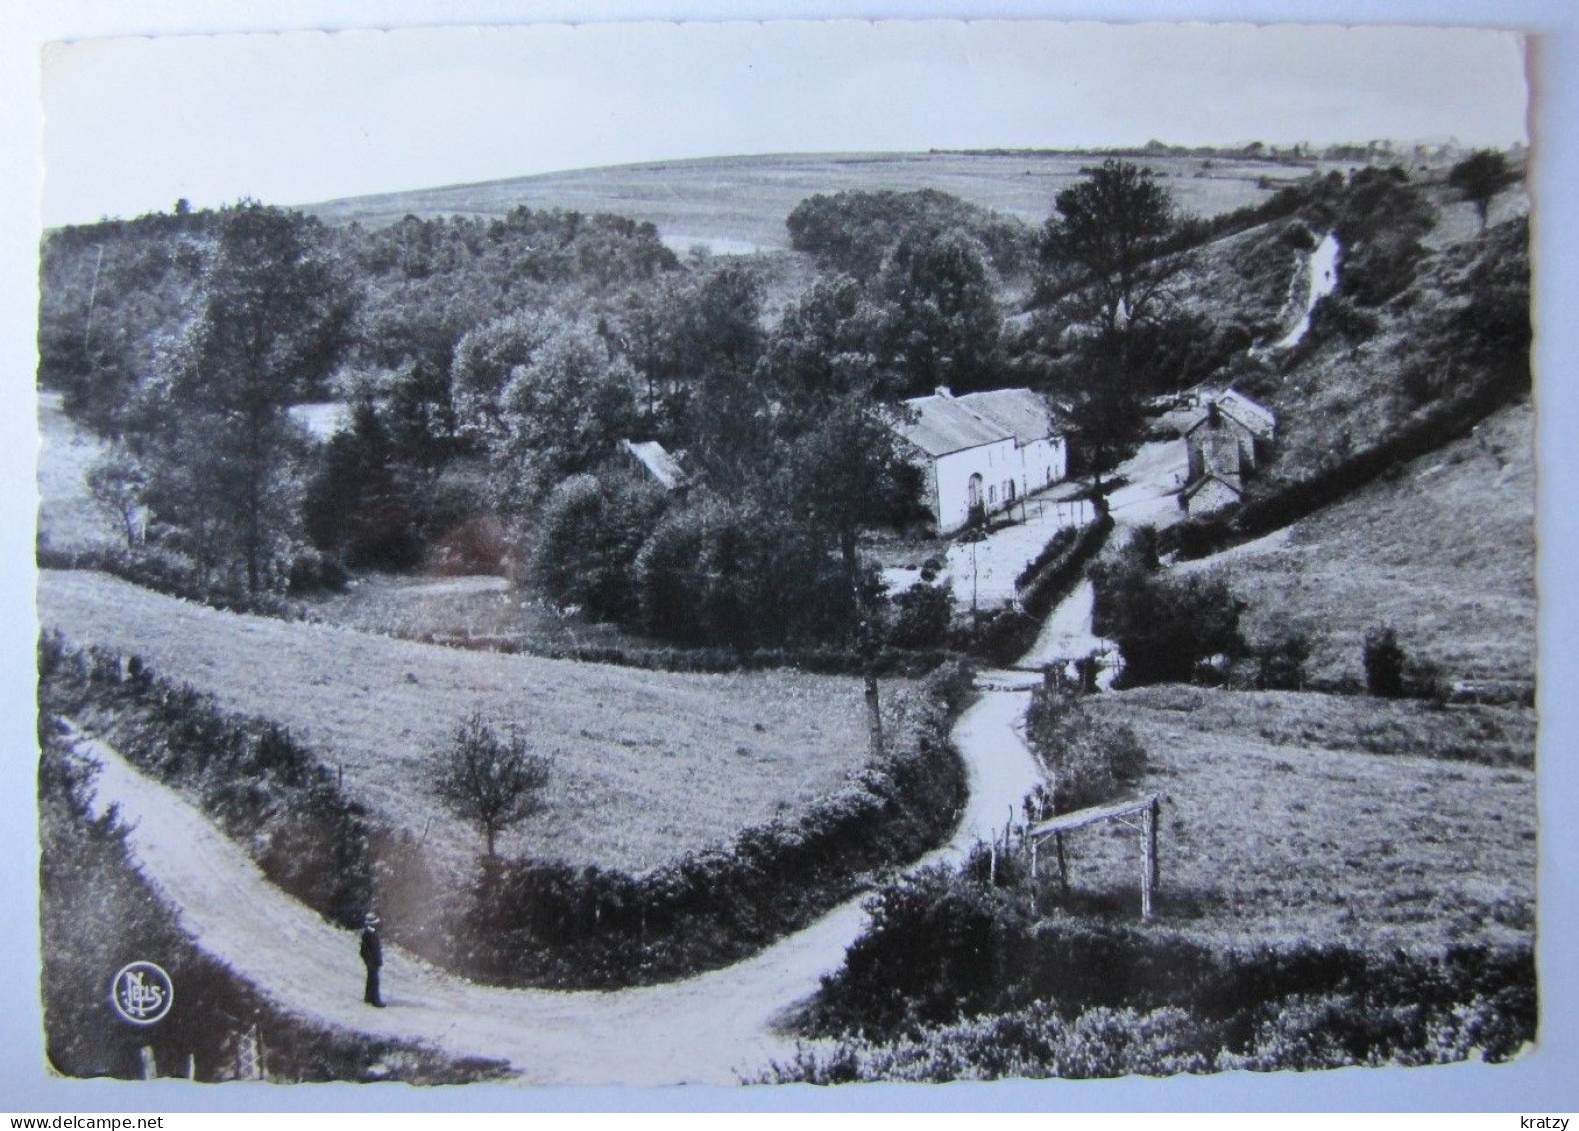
(807, 618)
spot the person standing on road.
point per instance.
(372, 958)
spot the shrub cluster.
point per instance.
(955, 979)
(1091, 760)
(1280, 662)
(1168, 630)
(854, 231)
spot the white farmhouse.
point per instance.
(982, 452)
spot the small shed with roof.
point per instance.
(656, 461)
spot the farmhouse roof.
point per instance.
(943, 423)
(1024, 414)
(658, 462)
(940, 425)
(1257, 418)
(1202, 416)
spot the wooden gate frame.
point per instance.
(1147, 808)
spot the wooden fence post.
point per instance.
(1148, 852)
(1156, 857)
(874, 715)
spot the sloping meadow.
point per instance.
(523, 922)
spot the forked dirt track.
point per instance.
(715, 1028)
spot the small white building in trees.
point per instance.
(982, 452)
(656, 461)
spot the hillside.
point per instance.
(647, 766)
(1443, 550)
(738, 204)
(1302, 818)
(1423, 312)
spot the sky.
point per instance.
(132, 124)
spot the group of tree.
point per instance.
(494, 366)
(789, 461)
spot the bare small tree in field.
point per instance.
(118, 483)
(492, 780)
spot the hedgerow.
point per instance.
(956, 979)
(1005, 635)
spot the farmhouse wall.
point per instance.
(1043, 462)
(1220, 443)
(997, 464)
(1212, 494)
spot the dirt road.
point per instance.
(713, 1028)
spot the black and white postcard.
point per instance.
(813, 551)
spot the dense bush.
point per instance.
(1164, 628)
(1381, 218)
(1280, 662)
(361, 505)
(921, 616)
(854, 231)
(1090, 760)
(586, 538)
(935, 947)
(1072, 996)
(1384, 663)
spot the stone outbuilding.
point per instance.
(1225, 433)
(1212, 492)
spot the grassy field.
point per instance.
(1444, 551)
(470, 610)
(646, 765)
(1294, 817)
(68, 518)
(736, 204)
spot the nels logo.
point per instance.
(142, 993)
